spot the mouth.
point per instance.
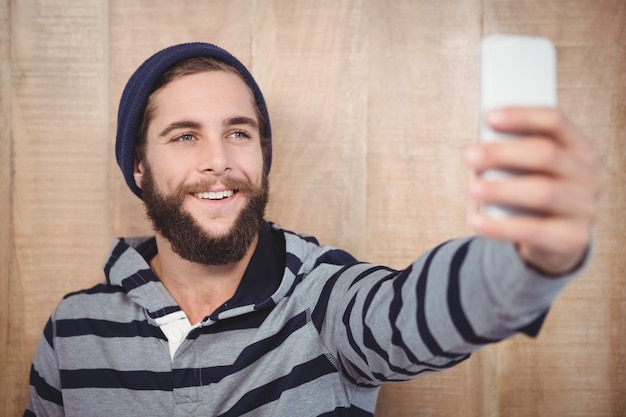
(215, 195)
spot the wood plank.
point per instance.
(371, 107)
(58, 123)
(9, 318)
(422, 113)
(573, 368)
(310, 59)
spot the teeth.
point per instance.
(217, 195)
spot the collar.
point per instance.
(263, 274)
(128, 267)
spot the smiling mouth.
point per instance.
(215, 195)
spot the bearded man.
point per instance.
(222, 313)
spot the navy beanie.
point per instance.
(140, 86)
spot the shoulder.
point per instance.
(99, 301)
(304, 252)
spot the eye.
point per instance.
(185, 137)
(239, 134)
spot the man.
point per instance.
(225, 314)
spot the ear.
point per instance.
(138, 172)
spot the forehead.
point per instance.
(221, 89)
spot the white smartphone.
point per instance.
(514, 71)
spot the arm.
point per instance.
(45, 398)
(467, 293)
(459, 296)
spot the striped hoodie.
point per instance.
(310, 331)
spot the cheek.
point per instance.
(254, 168)
(169, 173)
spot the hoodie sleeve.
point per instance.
(386, 325)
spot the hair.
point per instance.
(192, 66)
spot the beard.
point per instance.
(186, 236)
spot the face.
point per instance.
(202, 177)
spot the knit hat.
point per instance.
(140, 86)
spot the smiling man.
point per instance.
(200, 167)
(222, 313)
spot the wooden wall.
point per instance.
(372, 103)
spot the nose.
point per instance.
(213, 156)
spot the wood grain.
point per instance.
(422, 114)
(10, 351)
(372, 104)
(58, 178)
(310, 58)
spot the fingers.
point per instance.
(546, 123)
(536, 193)
(530, 154)
(549, 122)
(555, 234)
(557, 175)
(554, 245)
(556, 182)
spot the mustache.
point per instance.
(208, 184)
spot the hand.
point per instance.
(560, 180)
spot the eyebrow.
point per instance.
(191, 124)
(241, 120)
(181, 124)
